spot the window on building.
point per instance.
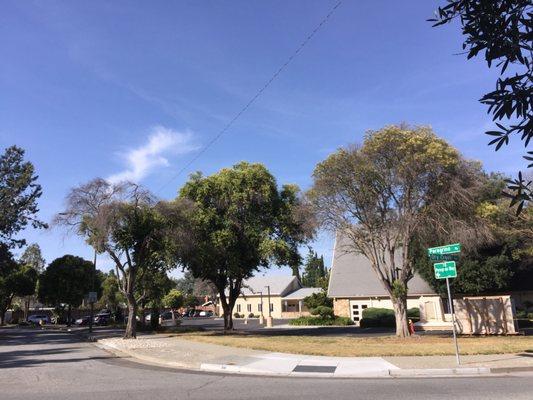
(271, 307)
(356, 313)
(238, 308)
(260, 307)
(356, 319)
(355, 306)
(249, 307)
(364, 306)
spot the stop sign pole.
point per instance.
(447, 270)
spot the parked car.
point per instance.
(83, 320)
(206, 314)
(103, 317)
(36, 319)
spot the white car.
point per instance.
(35, 319)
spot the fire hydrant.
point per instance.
(411, 327)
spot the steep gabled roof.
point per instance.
(352, 276)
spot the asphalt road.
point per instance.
(38, 364)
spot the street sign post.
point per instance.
(444, 257)
(448, 249)
(445, 270)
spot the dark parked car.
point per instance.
(103, 317)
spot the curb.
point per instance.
(242, 370)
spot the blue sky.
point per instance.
(135, 89)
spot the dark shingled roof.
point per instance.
(352, 276)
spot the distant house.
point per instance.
(286, 297)
(354, 286)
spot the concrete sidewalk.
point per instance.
(169, 351)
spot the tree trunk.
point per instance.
(131, 327)
(400, 313)
(69, 313)
(3, 317)
(228, 317)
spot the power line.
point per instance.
(255, 97)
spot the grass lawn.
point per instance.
(374, 346)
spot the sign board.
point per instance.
(448, 249)
(444, 257)
(92, 297)
(445, 270)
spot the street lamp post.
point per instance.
(269, 318)
(261, 317)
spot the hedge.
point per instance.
(318, 321)
(384, 317)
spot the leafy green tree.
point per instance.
(314, 270)
(238, 226)
(381, 194)
(111, 296)
(173, 299)
(185, 284)
(126, 223)
(19, 192)
(15, 280)
(66, 280)
(502, 31)
(505, 262)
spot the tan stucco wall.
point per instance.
(254, 302)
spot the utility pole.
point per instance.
(91, 302)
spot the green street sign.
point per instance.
(445, 270)
(444, 257)
(448, 249)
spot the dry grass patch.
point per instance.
(371, 346)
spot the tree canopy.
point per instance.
(400, 182)
(32, 257)
(15, 280)
(503, 31)
(19, 192)
(240, 223)
(66, 280)
(314, 271)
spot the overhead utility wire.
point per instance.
(255, 97)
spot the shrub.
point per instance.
(236, 315)
(251, 315)
(317, 300)
(530, 316)
(318, 321)
(323, 311)
(378, 317)
(414, 313)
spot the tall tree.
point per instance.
(122, 221)
(66, 281)
(380, 194)
(503, 31)
(33, 257)
(238, 226)
(19, 192)
(15, 280)
(314, 270)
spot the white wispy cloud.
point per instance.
(143, 160)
